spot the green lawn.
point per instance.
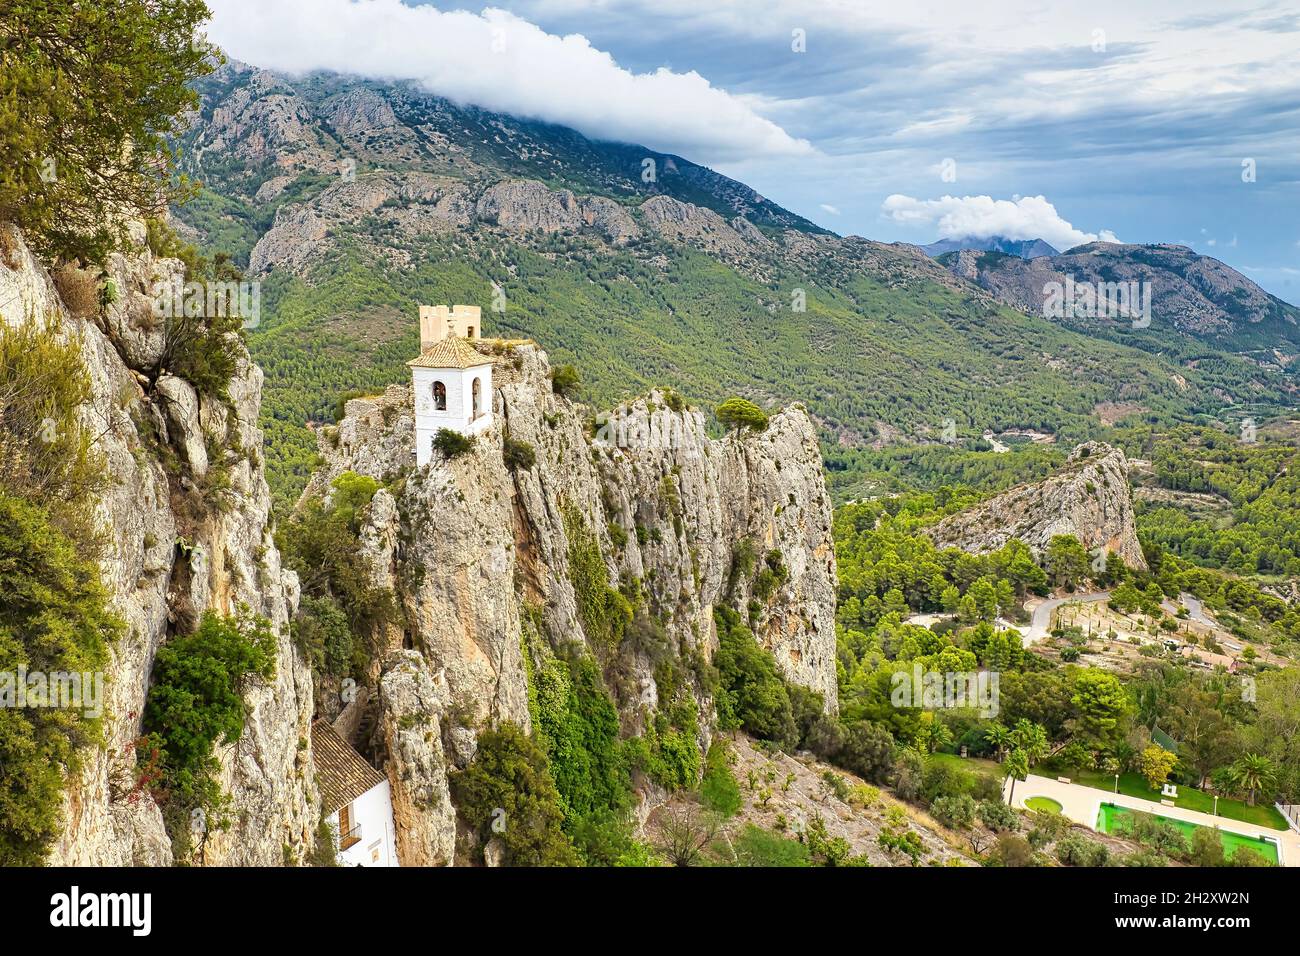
(1110, 815)
(1133, 785)
(970, 764)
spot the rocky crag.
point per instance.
(487, 560)
(186, 517)
(1088, 498)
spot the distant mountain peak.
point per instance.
(1023, 248)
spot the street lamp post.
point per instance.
(1117, 783)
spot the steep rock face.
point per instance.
(484, 558)
(411, 704)
(262, 116)
(178, 543)
(1088, 498)
(471, 545)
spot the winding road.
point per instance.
(1043, 613)
(1195, 611)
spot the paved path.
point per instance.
(1195, 611)
(1043, 613)
(1082, 804)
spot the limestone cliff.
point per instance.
(481, 555)
(1088, 498)
(186, 516)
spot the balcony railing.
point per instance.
(351, 838)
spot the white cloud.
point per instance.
(833, 210)
(499, 61)
(1025, 217)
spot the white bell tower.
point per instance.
(452, 380)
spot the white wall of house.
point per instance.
(372, 812)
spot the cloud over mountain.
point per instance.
(501, 62)
(960, 217)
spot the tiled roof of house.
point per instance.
(451, 352)
(342, 774)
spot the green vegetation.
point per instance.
(452, 444)
(1132, 784)
(86, 114)
(754, 696)
(1055, 717)
(204, 349)
(55, 619)
(719, 789)
(518, 455)
(758, 847)
(508, 793)
(54, 611)
(46, 457)
(1046, 804)
(196, 703)
(1257, 528)
(565, 380)
(341, 612)
(605, 612)
(740, 413)
(577, 729)
(651, 312)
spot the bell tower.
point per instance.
(451, 380)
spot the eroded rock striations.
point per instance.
(483, 558)
(1088, 498)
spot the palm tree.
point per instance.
(1253, 773)
(932, 735)
(999, 737)
(1030, 738)
(1017, 768)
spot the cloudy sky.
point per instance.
(1150, 121)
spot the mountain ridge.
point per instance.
(1021, 248)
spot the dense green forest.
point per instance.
(1248, 520)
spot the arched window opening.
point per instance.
(440, 396)
(476, 392)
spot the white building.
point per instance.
(355, 800)
(452, 380)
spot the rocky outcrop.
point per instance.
(484, 559)
(179, 542)
(417, 203)
(262, 120)
(1088, 498)
(701, 227)
(411, 705)
(473, 548)
(524, 205)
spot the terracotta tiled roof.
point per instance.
(341, 773)
(451, 352)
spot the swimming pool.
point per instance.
(1109, 815)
